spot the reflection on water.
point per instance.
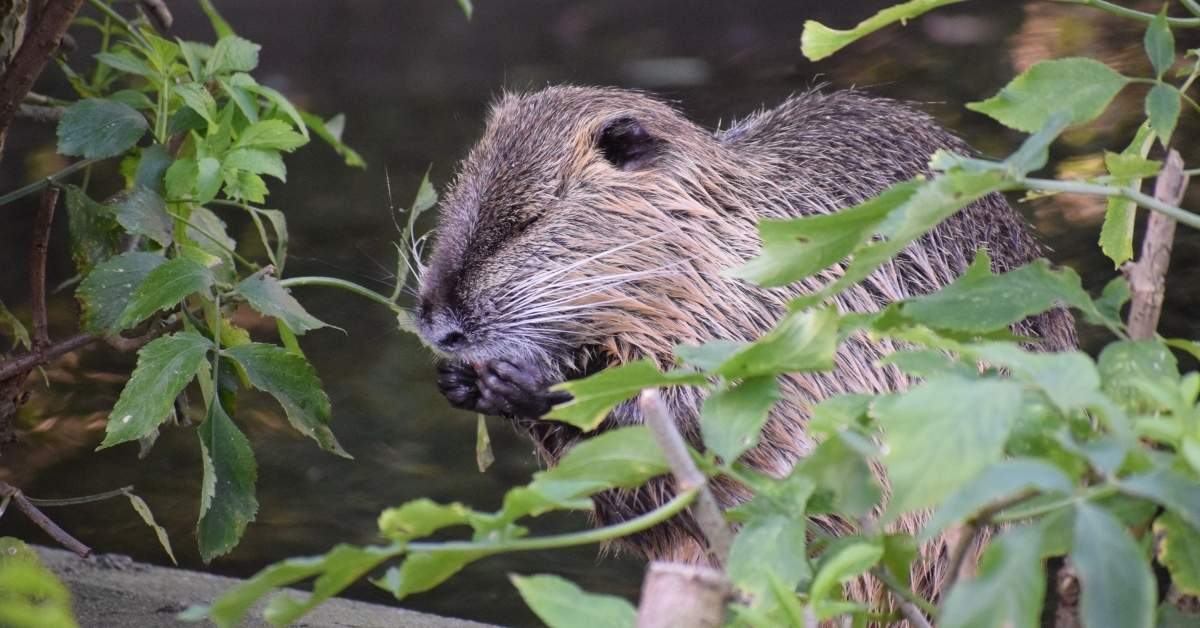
(413, 79)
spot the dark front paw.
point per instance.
(498, 387)
(459, 383)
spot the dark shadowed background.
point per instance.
(414, 79)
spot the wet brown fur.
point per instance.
(536, 196)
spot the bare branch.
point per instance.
(158, 11)
(42, 521)
(674, 594)
(37, 266)
(708, 513)
(1146, 275)
(26, 362)
(39, 113)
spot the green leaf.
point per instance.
(220, 26)
(97, 128)
(1162, 108)
(227, 501)
(279, 101)
(245, 186)
(208, 179)
(1116, 236)
(422, 571)
(1068, 378)
(483, 445)
(270, 134)
(1080, 86)
(801, 342)
(95, 236)
(1159, 43)
(999, 481)
(294, 384)
(1126, 364)
(165, 366)
(1179, 493)
(16, 329)
(1009, 588)
(467, 7)
(800, 247)
(268, 297)
(196, 96)
(847, 562)
(593, 397)
(143, 511)
(258, 161)
(181, 177)
(207, 233)
(105, 292)
(246, 103)
(561, 604)
(420, 518)
(1116, 586)
(844, 480)
(1179, 550)
(938, 436)
(708, 356)
(980, 302)
(30, 595)
(1035, 150)
(232, 54)
(151, 166)
(164, 287)
(142, 212)
(322, 129)
(772, 543)
(819, 41)
(126, 61)
(732, 418)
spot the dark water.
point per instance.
(414, 79)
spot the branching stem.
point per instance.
(1091, 189)
(349, 286)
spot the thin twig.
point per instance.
(1146, 276)
(971, 532)
(22, 192)
(902, 592)
(158, 11)
(708, 513)
(39, 46)
(39, 113)
(914, 616)
(28, 361)
(37, 267)
(42, 521)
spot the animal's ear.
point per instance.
(627, 145)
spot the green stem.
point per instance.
(1192, 6)
(85, 499)
(245, 262)
(1145, 200)
(904, 592)
(587, 537)
(36, 186)
(349, 286)
(1116, 9)
(120, 19)
(1095, 492)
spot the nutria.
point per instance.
(590, 227)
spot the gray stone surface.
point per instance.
(114, 592)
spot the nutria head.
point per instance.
(574, 235)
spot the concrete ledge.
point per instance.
(110, 590)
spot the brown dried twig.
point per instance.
(37, 266)
(10, 492)
(1145, 277)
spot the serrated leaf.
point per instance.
(196, 96)
(165, 366)
(771, 544)
(1159, 43)
(846, 562)
(281, 103)
(207, 233)
(268, 297)
(258, 161)
(270, 134)
(802, 341)
(1080, 86)
(593, 397)
(164, 287)
(345, 561)
(1000, 480)
(422, 571)
(180, 178)
(1116, 586)
(1162, 109)
(800, 247)
(1035, 150)
(420, 518)
(232, 54)
(94, 235)
(1126, 363)
(126, 61)
(731, 418)
(151, 167)
(321, 129)
(105, 291)
(561, 604)
(160, 533)
(208, 179)
(980, 302)
(32, 595)
(1068, 378)
(1179, 550)
(1116, 236)
(219, 25)
(97, 128)
(844, 481)
(227, 496)
(1179, 493)
(937, 436)
(142, 212)
(16, 329)
(245, 186)
(1009, 588)
(294, 384)
(819, 41)
(246, 103)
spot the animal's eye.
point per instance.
(528, 222)
(626, 144)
